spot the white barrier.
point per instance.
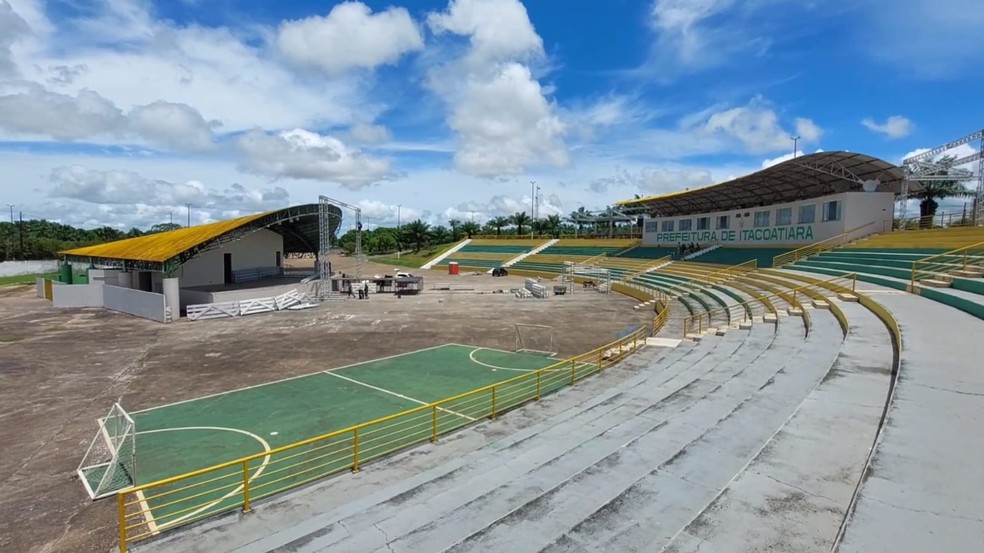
(290, 300)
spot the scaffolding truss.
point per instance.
(925, 167)
(325, 213)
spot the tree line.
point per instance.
(41, 239)
(418, 234)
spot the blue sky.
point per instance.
(121, 112)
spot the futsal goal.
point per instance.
(535, 339)
(109, 464)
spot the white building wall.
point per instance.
(855, 209)
(258, 249)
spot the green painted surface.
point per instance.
(180, 438)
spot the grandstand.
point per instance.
(551, 260)
(490, 253)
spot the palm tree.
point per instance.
(520, 219)
(454, 224)
(440, 235)
(497, 223)
(416, 232)
(553, 225)
(539, 226)
(938, 190)
(470, 228)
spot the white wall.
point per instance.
(77, 295)
(17, 268)
(255, 250)
(857, 209)
(134, 302)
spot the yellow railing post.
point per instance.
(573, 371)
(245, 485)
(599, 359)
(538, 375)
(355, 449)
(493, 402)
(121, 506)
(434, 424)
(854, 282)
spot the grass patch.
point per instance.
(24, 279)
(413, 260)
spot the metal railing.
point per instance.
(647, 267)
(696, 322)
(960, 259)
(818, 247)
(148, 509)
(662, 318)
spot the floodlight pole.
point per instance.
(189, 213)
(11, 206)
(399, 230)
(795, 140)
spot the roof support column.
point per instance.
(172, 295)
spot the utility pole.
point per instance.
(532, 199)
(171, 214)
(795, 140)
(21, 213)
(399, 230)
(189, 213)
(11, 206)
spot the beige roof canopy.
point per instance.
(802, 178)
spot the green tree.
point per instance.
(470, 229)
(415, 233)
(163, 227)
(498, 223)
(553, 224)
(456, 232)
(938, 190)
(440, 235)
(521, 219)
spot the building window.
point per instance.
(686, 224)
(762, 219)
(703, 223)
(784, 216)
(651, 226)
(722, 222)
(667, 226)
(831, 211)
(807, 214)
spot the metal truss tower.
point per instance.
(923, 168)
(324, 240)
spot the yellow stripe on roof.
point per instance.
(164, 245)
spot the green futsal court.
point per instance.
(183, 437)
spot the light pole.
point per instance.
(795, 140)
(399, 229)
(171, 215)
(532, 199)
(189, 213)
(11, 206)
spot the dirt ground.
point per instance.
(60, 369)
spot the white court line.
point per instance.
(408, 398)
(255, 475)
(291, 378)
(551, 356)
(495, 367)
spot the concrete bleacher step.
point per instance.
(453, 504)
(935, 283)
(968, 273)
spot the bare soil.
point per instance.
(60, 369)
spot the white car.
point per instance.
(401, 274)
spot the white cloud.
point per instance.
(757, 128)
(895, 126)
(302, 154)
(119, 51)
(30, 109)
(785, 157)
(12, 27)
(369, 134)
(500, 113)
(350, 36)
(117, 187)
(654, 180)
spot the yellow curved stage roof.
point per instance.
(163, 246)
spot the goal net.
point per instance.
(535, 339)
(109, 463)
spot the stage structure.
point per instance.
(925, 168)
(324, 241)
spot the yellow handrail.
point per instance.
(661, 318)
(698, 319)
(815, 248)
(965, 259)
(729, 272)
(345, 449)
(655, 262)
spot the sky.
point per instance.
(121, 112)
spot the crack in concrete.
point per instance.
(937, 388)
(385, 537)
(925, 512)
(795, 487)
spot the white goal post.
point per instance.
(535, 339)
(109, 464)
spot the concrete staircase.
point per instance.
(534, 251)
(437, 260)
(700, 252)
